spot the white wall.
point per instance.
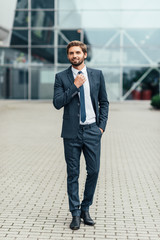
(7, 11)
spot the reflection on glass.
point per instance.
(147, 87)
(42, 55)
(65, 36)
(42, 83)
(153, 53)
(103, 37)
(117, 36)
(2, 82)
(42, 37)
(134, 56)
(19, 37)
(145, 42)
(62, 55)
(67, 19)
(60, 69)
(68, 5)
(105, 55)
(13, 83)
(142, 37)
(17, 57)
(22, 4)
(42, 4)
(21, 19)
(20, 84)
(112, 80)
(42, 19)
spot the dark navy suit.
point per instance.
(79, 138)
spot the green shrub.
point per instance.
(155, 101)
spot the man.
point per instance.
(81, 91)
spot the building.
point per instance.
(122, 38)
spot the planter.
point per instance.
(136, 95)
(146, 94)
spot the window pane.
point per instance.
(112, 80)
(65, 36)
(42, 83)
(42, 19)
(13, 83)
(2, 90)
(142, 37)
(134, 56)
(69, 19)
(103, 37)
(43, 55)
(42, 37)
(19, 37)
(105, 55)
(62, 55)
(21, 4)
(145, 43)
(21, 19)
(148, 87)
(153, 54)
(147, 55)
(18, 57)
(42, 4)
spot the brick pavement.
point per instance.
(33, 199)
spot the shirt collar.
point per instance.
(75, 71)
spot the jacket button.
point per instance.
(78, 104)
(78, 115)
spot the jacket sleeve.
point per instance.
(103, 103)
(61, 96)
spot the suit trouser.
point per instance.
(88, 141)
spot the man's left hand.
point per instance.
(101, 130)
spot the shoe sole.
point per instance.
(89, 224)
(75, 228)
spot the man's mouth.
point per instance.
(75, 59)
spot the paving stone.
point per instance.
(33, 194)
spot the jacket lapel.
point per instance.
(91, 82)
(70, 75)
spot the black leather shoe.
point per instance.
(86, 218)
(75, 224)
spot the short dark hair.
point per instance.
(79, 44)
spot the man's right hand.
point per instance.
(79, 80)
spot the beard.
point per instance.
(77, 63)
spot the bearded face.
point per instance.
(76, 56)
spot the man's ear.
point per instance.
(85, 56)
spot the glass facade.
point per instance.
(122, 39)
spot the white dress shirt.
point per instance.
(90, 114)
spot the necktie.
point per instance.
(82, 102)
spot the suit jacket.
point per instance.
(66, 95)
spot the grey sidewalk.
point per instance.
(33, 199)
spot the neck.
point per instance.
(80, 67)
